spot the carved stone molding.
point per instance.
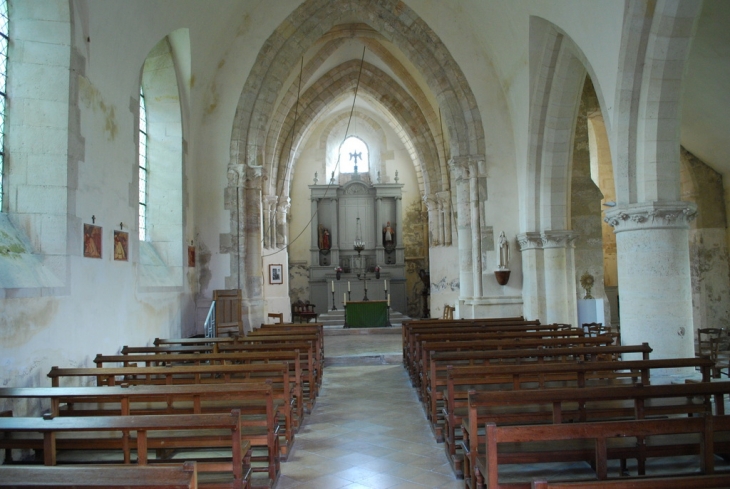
(546, 239)
(558, 239)
(284, 205)
(467, 166)
(254, 176)
(651, 215)
(444, 198)
(234, 175)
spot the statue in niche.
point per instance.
(503, 251)
(388, 236)
(324, 238)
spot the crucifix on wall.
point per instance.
(354, 156)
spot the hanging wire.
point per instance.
(337, 164)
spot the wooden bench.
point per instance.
(176, 476)
(258, 419)
(196, 434)
(597, 443)
(439, 362)
(462, 380)
(711, 481)
(545, 406)
(427, 348)
(303, 311)
(275, 374)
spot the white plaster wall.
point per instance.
(444, 279)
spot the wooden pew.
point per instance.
(711, 481)
(436, 376)
(427, 348)
(163, 355)
(462, 380)
(193, 433)
(599, 442)
(545, 406)
(473, 334)
(176, 476)
(276, 374)
(258, 421)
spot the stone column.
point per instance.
(314, 227)
(253, 291)
(559, 266)
(444, 199)
(533, 276)
(269, 211)
(400, 257)
(476, 229)
(334, 234)
(432, 208)
(282, 226)
(652, 241)
(460, 168)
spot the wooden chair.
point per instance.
(448, 312)
(228, 312)
(710, 342)
(278, 317)
(303, 311)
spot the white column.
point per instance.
(334, 233)
(559, 266)
(476, 251)
(282, 226)
(652, 241)
(444, 199)
(459, 167)
(314, 228)
(533, 276)
(432, 208)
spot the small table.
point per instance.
(366, 314)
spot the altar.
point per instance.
(366, 314)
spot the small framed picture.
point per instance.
(92, 241)
(121, 246)
(276, 274)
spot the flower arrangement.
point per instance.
(338, 272)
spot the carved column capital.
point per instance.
(430, 202)
(459, 166)
(444, 197)
(651, 215)
(254, 176)
(270, 202)
(284, 205)
(529, 241)
(234, 175)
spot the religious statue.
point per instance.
(324, 238)
(388, 235)
(503, 251)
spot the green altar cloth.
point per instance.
(366, 314)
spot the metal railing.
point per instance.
(209, 325)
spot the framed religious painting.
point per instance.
(121, 246)
(92, 241)
(276, 274)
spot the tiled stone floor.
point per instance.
(367, 430)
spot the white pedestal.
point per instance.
(590, 311)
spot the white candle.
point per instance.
(348, 286)
(385, 284)
(333, 286)
(344, 298)
(388, 300)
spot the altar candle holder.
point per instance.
(334, 304)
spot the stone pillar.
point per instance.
(533, 277)
(654, 275)
(282, 225)
(334, 234)
(253, 303)
(460, 168)
(444, 199)
(314, 228)
(432, 208)
(476, 230)
(269, 218)
(559, 267)
(400, 257)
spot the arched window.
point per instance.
(3, 94)
(354, 153)
(142, 167)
